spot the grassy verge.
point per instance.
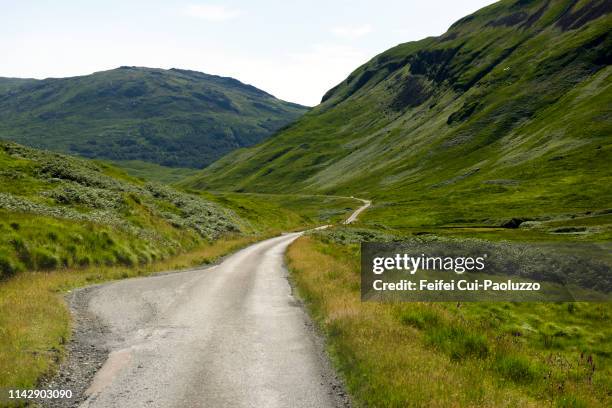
(35, 322)
(438, 354)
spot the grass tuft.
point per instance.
(518, 369)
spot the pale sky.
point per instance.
(293, 50)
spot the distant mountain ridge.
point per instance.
(6, 84)
(507, 113)
(175, 117)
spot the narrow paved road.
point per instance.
(358, 211)
(230, 335)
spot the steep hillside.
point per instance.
(57, 211)
(505, 115)
(170, 117)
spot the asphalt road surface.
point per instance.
(230, 335)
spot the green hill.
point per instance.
(57, 211)
(173, 117)
(506, 115)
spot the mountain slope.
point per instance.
(7, 84)
(173, 117)
(506, 114)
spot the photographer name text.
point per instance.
(439, 285)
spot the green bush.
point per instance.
(76, 194)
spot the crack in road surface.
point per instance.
(230, 335)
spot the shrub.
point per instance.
(206, 218)
(88, 196)
(345, 235)
(80, 171)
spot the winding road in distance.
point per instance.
(353, 217)
(230, 335)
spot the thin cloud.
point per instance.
(352, 32)
(211, 12)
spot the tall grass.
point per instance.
(451, 355)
